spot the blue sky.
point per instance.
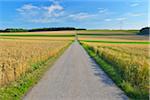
(91, 14)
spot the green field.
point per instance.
(116, 42)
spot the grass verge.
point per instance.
(17, 89)
(116, 42)
(131, 92)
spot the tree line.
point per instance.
(40, 29)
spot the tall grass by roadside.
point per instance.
(129, 70)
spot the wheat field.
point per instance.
(130, 61)
(19, 56)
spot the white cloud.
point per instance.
(28, 10)
(52, 8)
(135, 14)
(43, 14)
(47, 14)
(81, 16)
(121, 19)
(55, 1)
(102, 10)
(44, 20)
(108, 20)
(27, 7)
(134, 4)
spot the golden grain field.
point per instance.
(18, 56)
(37, 38)
(45, 32)
(130, 61)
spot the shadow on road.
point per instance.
(103, 77)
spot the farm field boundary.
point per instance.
(115, 42)
(38, 35)
(106, 34)
(109, 31)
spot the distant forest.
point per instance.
(143, 31)
(40, 29)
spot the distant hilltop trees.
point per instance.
(144, 31)
(14, 30)
(40, 29)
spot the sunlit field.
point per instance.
(37, 38)
(116, 38)
(74, 50)
(43, 32)
(111, 32)
(124, 58)
(19, 56)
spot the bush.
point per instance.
(144, 31)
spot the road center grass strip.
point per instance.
(115, 42)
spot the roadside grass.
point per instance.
(132, 92)
(17, 89)
(38, 35)
(116, 42)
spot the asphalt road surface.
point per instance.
(75, 76)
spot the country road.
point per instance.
(75, 76)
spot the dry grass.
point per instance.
(18, 56)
